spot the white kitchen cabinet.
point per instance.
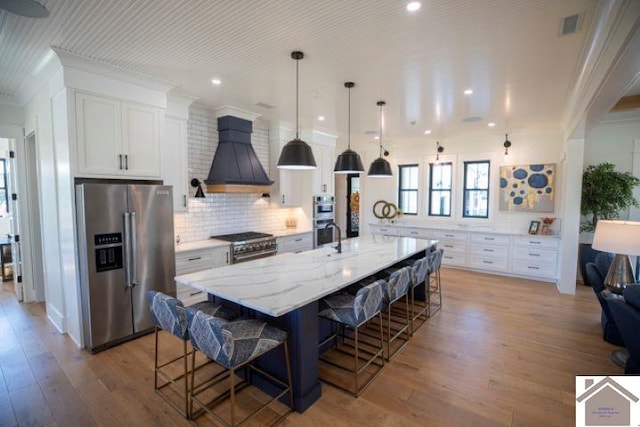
(384, 230)
(116, 139)
(323, 145)
(174, 161)
(295, 243)
(489, 251)
(288, 186)
(193, 260)
(454, 244)
(535, 256)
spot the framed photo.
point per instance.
(534, 227)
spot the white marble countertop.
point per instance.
(280, 284)
(200, 244)
(471, 228)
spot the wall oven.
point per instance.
(323, 214)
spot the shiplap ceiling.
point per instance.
(510, 52)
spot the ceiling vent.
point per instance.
(570, 24)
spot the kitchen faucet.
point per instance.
(339, 247)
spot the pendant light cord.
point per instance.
(297, 84)
(381, 105)
(349, 126)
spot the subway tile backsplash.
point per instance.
(225, 213)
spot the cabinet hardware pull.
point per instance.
(227, 253)
(487, 262)
(413, 232)
(324, 188)
(120, 161)
(448, 246)
(487, 250)
(194, 293)
(195, 258)
(298, 240)
(533, 242)
(531, 267)
(126, 162)
(489, 238)
(448, 257)
(531, 254)
(283, 199)
(184, 200)
(449, 235)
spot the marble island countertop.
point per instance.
(280, 284)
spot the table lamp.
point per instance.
(623, 239)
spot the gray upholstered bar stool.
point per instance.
(352, 312)
(168, 315)
(396, 294)
(435, 285)
(419, 309)
(234, 346)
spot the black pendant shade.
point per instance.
(296, 154)
(349, 161)
(379, 168)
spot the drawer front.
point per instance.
(452, 246)
(534, 255)
(536, 242)
(384, 230)
(192, 261)
(491, 239)
(454, 258)
(298, 243)
(420, 233)
(535, 269)
(443, 235)
(488, 263)
(490, 250)
(189, 295)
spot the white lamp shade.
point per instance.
(617, 237)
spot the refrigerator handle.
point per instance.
(127, 248)
(134, 250)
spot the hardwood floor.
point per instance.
(501, 351)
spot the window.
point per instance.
(440, 189)
(475, 203)
(4, 200)
(408, 189)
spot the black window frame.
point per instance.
(402, 190)
(438, 190)
(466, 191)
(5, 189)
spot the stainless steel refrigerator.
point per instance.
(125, 236)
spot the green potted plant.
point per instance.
(605, 193)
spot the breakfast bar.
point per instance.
(287, 288)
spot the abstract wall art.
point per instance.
(527, 188)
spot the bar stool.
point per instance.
(234, 345)
(397, 288)
(353, 312)
(435, 288)
(168, 315)
(419, 275)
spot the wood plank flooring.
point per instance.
(500, 352)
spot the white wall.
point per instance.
(612, 142)
(527, 148)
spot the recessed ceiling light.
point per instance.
(216, 81)
(468, 91)
(413, 6)
(427, 132)
(491, 124)
(376, 137)
(321, 118)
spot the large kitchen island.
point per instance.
(286, 289)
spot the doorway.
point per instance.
(353, 205)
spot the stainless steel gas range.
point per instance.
(249, 245)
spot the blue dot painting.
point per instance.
(535, 184)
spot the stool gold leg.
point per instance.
(186, 379)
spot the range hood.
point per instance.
(235, 167)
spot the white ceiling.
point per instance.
(510, 52)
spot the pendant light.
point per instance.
(349, 161)
(380, 168)
(506, 144)
(296, 154)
